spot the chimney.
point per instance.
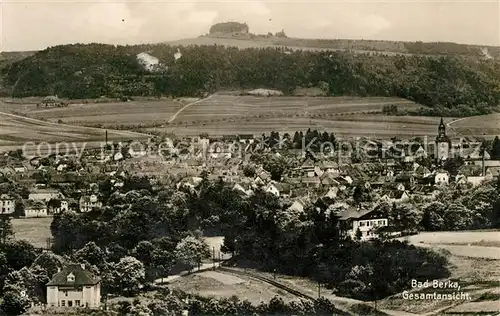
(83, 266)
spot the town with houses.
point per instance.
(395, 179)
(66, 183)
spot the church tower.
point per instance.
(443, 143)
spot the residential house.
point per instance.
(329, 179)
(478, 180)
(395, 196)
(420, 152)
(332, 193)
(308, 168)
(378, 182)
(7, 203)
(330, 167)
(35, 162)
(243, 188)
(246, 138)
(61, 167)
(422, 171)
(285, 190)
(311, 182)
(297, 206)
(366, 221)
(494, 171)
(189, 183)
(53, 206)
(345, 180)
(35, 209)
(318, 172)
(89, 202)
(474, 153)
(74, 287)
(405, 178)
(261, 179)
(442, 178)
(487, 163)
(278, 189)
(45, 195)
(19, 168)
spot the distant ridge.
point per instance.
(248, 40)
(244, 40)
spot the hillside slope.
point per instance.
(454, 86)
(362, 46)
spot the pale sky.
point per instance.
(37, 24)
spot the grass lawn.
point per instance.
(33, 230)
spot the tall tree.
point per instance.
(6, 231)
(495, 148)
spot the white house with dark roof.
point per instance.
(279, 189)
(88, 202)
(442, 178)
(244, 188)
(367, 221)
(74, 287)
(7, 204)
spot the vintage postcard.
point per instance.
(249, 157)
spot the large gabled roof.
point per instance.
(82, 277)
(353, 213)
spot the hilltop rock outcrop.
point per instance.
(229, 28)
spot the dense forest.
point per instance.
(454, 85)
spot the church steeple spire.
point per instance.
(441, 129)
(443, 142)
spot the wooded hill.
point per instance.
(450, 84)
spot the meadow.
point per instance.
(16, 131)
(231, 114)
(345, 126)
(36, 231)
(225, 106)
(346, 116)
(107, 114)
(485, 125)
(476, 268)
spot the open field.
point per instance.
(33, 230)
(346, 126)
(346, 116)
(224, 106)
(486, 125)
(467, 237)
(476, 268)
(15, 131)
(231, 114)
(105, 114)
(219, 285)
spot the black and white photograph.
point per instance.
(250, 157)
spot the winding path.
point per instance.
(185, 107)
(455, 121)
